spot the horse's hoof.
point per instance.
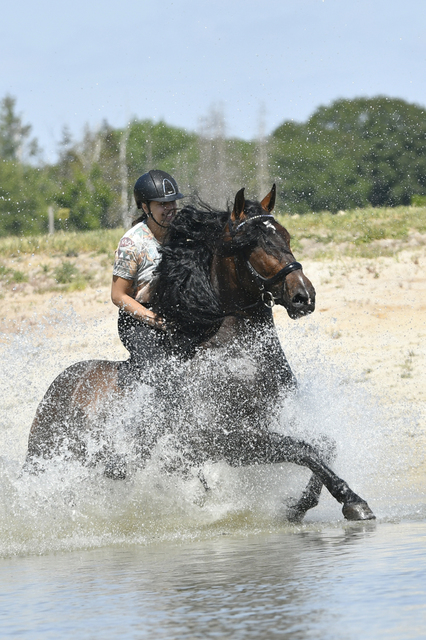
(295, 516)
(357, 511)
(294, 513)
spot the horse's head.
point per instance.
(266, 262)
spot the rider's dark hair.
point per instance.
(141, 218)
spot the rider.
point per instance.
(142, 331)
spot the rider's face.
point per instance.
(163, 212)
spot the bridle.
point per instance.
(264, 283)
(266, 297)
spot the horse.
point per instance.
(220, 274)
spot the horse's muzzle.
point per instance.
(298, 301)
(301, 305)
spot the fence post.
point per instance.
(51, 219)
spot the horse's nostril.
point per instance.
(300, 301)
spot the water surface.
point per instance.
(347, 581)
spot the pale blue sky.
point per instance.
(81, 62)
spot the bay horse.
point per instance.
(220, 274)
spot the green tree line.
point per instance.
(352, 153)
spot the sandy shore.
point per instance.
(371, 315)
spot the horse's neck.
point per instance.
(233, 295)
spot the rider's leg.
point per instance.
(148, 348)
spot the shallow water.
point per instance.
(154, 556)
(348, 581)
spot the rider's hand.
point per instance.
(158, 323)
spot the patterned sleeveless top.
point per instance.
(136, 256)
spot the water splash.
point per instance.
(71, 507)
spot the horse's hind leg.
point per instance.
(61, 426)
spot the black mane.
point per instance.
(182, 290)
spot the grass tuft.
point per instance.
(12, 275)
(68, 274)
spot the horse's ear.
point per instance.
(268, 202)
(239, 205)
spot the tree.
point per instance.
(23, 188)
(25, 192)
(352, 153)
(83, 191)
(14, 134)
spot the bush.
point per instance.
(418, 201)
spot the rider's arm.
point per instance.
(121, 295)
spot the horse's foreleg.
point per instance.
(311, 494)
(308, 500)
(287, 449)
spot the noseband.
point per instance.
(263, 283)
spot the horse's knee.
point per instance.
(321, 448)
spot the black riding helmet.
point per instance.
(157, 186)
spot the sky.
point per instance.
(259, 61)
